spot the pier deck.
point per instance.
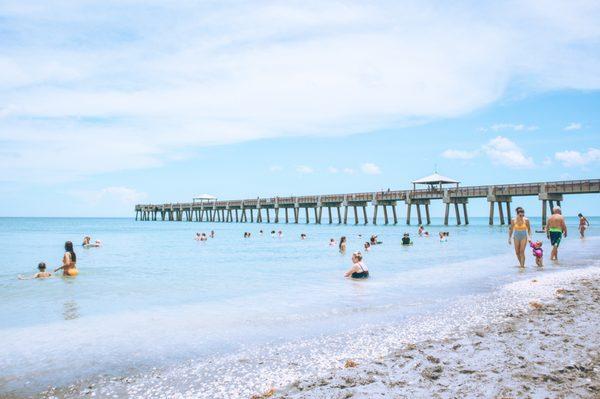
(250, 210)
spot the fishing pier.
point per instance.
(337, 206)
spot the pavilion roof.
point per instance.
(435, 178)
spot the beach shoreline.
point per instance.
(551, 349)
(536, 338)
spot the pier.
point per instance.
(338, 206)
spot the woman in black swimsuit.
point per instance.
(358, 269)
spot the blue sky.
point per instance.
(105, 104)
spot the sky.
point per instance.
(105, 104)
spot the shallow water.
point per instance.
(152, 296)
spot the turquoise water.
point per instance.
(152, 296)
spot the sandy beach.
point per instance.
(551, 350)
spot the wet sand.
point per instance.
(550, 350)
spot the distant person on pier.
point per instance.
(556, 229)
(343, 244)
(358, 269)
(69, 266)
(519, 232)
(583, 224)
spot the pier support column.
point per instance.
(446, 214)
(320, 213)
(365, 214)
(500, 200)
(501, 213)
(375, 213)
(251, 215)
(457, 212)
(329, 213)
(316, 210)
(355, 215)
(427, 214)
(508, 215)
(491, 221)
(339, 213)
(237, 216)
(287, 219)
(394, 213)
(385, 214)
(307, 215)
(277, 215)
(408, 206)
(419, 215)
(548, 198)
(465, 212)
(346, 214)
(268, 215)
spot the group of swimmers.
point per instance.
(69, 265)
(519, 232)
(203, 237)
(87, 242)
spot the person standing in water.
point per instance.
(69, 266)
(556, 229)
(583, 225)
(342, 245)
(522, 231)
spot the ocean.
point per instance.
(203, 315)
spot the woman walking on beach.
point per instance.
(583, 225)
(519, 231)
(69, 266)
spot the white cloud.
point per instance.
(332, 169)
(573, 126)
(370, 169)
(503, 151)
(119, 195)
(142, 88)
(517, 127)
(459, 154)
(304, 169)
(349, 171)
(576, 158)
(275, 168)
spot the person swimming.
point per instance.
(303, 236)
(538, 252)
(367, 246)
(280, 234)
(358, 269)
(443, 236)
(406, 239)
(332, 242)
(69, 266)
(41, 274)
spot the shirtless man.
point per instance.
(555, 230)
